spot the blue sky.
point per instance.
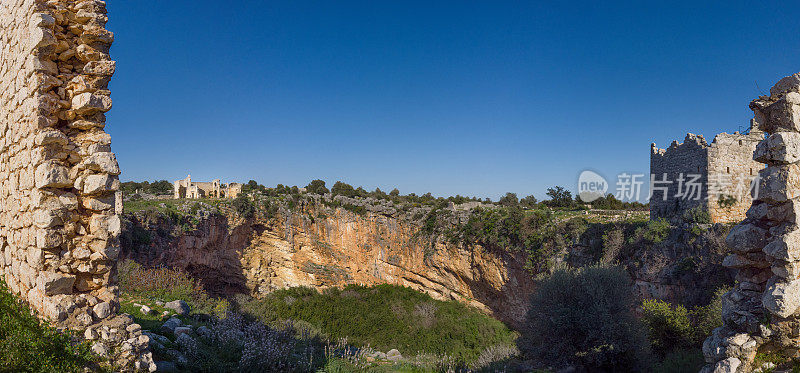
(470, 98)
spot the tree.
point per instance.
(394, 192)
(344, 189)
(509, 200)
(559, 197)
(317, 187)
(529, 202)
(161, 187)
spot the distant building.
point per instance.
(186, 188)
(716, 177)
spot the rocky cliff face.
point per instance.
(334, 242)
(323, 247)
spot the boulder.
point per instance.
(746, 238)
(782, 298)
(180, 307)
(170, 325)
(182, 330)
(393, 355)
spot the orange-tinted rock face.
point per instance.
(345, 248)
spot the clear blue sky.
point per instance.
(470, 98)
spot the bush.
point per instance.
(584, 316)
(669, 326)
(244, 206)
(673, 328)
(29, 345)
(657, 230)
(386, 317)
(697, 215)
(161, 282)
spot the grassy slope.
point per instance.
(386, 317)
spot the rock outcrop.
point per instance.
(324, 247)
(761, 312)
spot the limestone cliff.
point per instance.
(322, 247)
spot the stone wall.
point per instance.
(724, 169)
(760, 314)
(58, 222)
(689, 157)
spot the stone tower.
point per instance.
(760, 314)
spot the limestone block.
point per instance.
(88, 103)
(51, 136)
(787, 270)
(778, 115)
(757, 211)
(785, 247)
(87, 53)
(782, 298)
(98, 203)
(102, 310)
(779, 184)
(104, 226)
(52, 175)
(746, 238)
(788, 212)
(780, 147)
(53, 283)
(47, 218)
(48, 238)
(105, 162)
(94, 184)
(786, 84)
(741, 261)
(98, 35)
(101, 68)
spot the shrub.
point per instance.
(656, 230)
(613, 241)
(244, 206)
(29, 345)
(669, 326)
(584, 316)
(697, 215)
(673, 328)
(161, 282)
(681, 361)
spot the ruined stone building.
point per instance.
(716, 177)
(186, 188)
(59, 223)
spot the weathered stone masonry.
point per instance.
(760, 314)
(58, 223)
(727, 163)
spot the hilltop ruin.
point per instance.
(716, 177)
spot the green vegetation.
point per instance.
(29, 345)
(161, 283)
(585, 316)
(386, 317)
(160, 187)
(672, 327)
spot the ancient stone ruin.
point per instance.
(722, 172)
(186, 188)
(58, 222)
(760, 314)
